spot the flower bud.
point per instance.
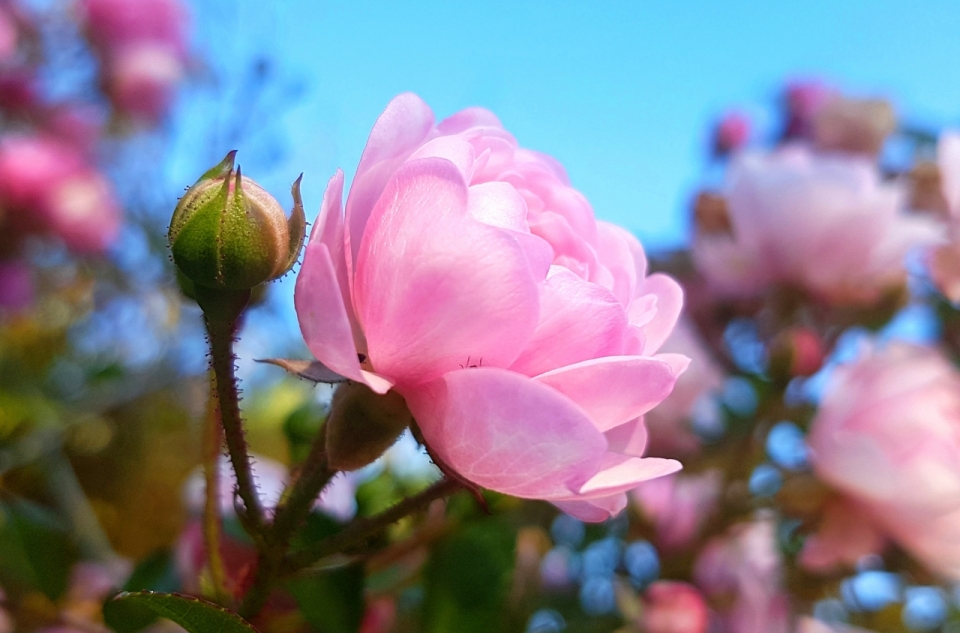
(732, 133)
(710, 214)
(228, 233)
(796, 352)
(674, 607)
(926, 189)
(854, 125)
(363, 424)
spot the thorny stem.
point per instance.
(315, 474)
(212, 447)
(221, 319)
(363, 529)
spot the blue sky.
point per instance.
(621, 92)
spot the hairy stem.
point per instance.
(298, 500)
(221, 320)
(363, 529)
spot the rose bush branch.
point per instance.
(363, 529)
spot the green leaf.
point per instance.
(35, 549)
(467, 579)
(157, 572)
(193, 614)
(332, 602)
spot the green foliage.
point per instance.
(35, 550)
(156, 573)
(332, 600)
(193, 614)
(301, 426)
(467, 579)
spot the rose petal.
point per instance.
(404, 125)
(620, 473)
(594, 510)
(506, 432)
(628, 439)
(613, 390)
(669, 303)
(454, 149)
(323, 318)
(468, 118)
(579, 321)
(435, 289)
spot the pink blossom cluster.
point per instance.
(142, 46)
(51, 183)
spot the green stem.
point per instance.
(361, 530)
(315, 474)
(221, 315)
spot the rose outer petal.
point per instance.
(503, 431)
(613, 390)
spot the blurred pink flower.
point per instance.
(48, 186)
(845, 534)
(674, 607)
(826, 223)
(803, 100)
(8, 34)
(379, 615)
(887, 436)
(16, 286)
(948, 161)
(467, 274)
(113, 24)
(944, 261)
(732, 133)
(19, 92)
(678, 505)
(854, 125)
(142, 45)
(7, 624)
(743, 568)
(811, 625)
(668, 424)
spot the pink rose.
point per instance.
(674, 607)
(948, 162)
(826, 223)
(114, 24)
(468, 275)
(668, 424)
(845, 534)
(142, 45)
(945, 260)
(887, 436)
(811, 625)
(677, 505)
(48, 186)
(803, 100)
(142, 79)
(732, 133)
(743, 569)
